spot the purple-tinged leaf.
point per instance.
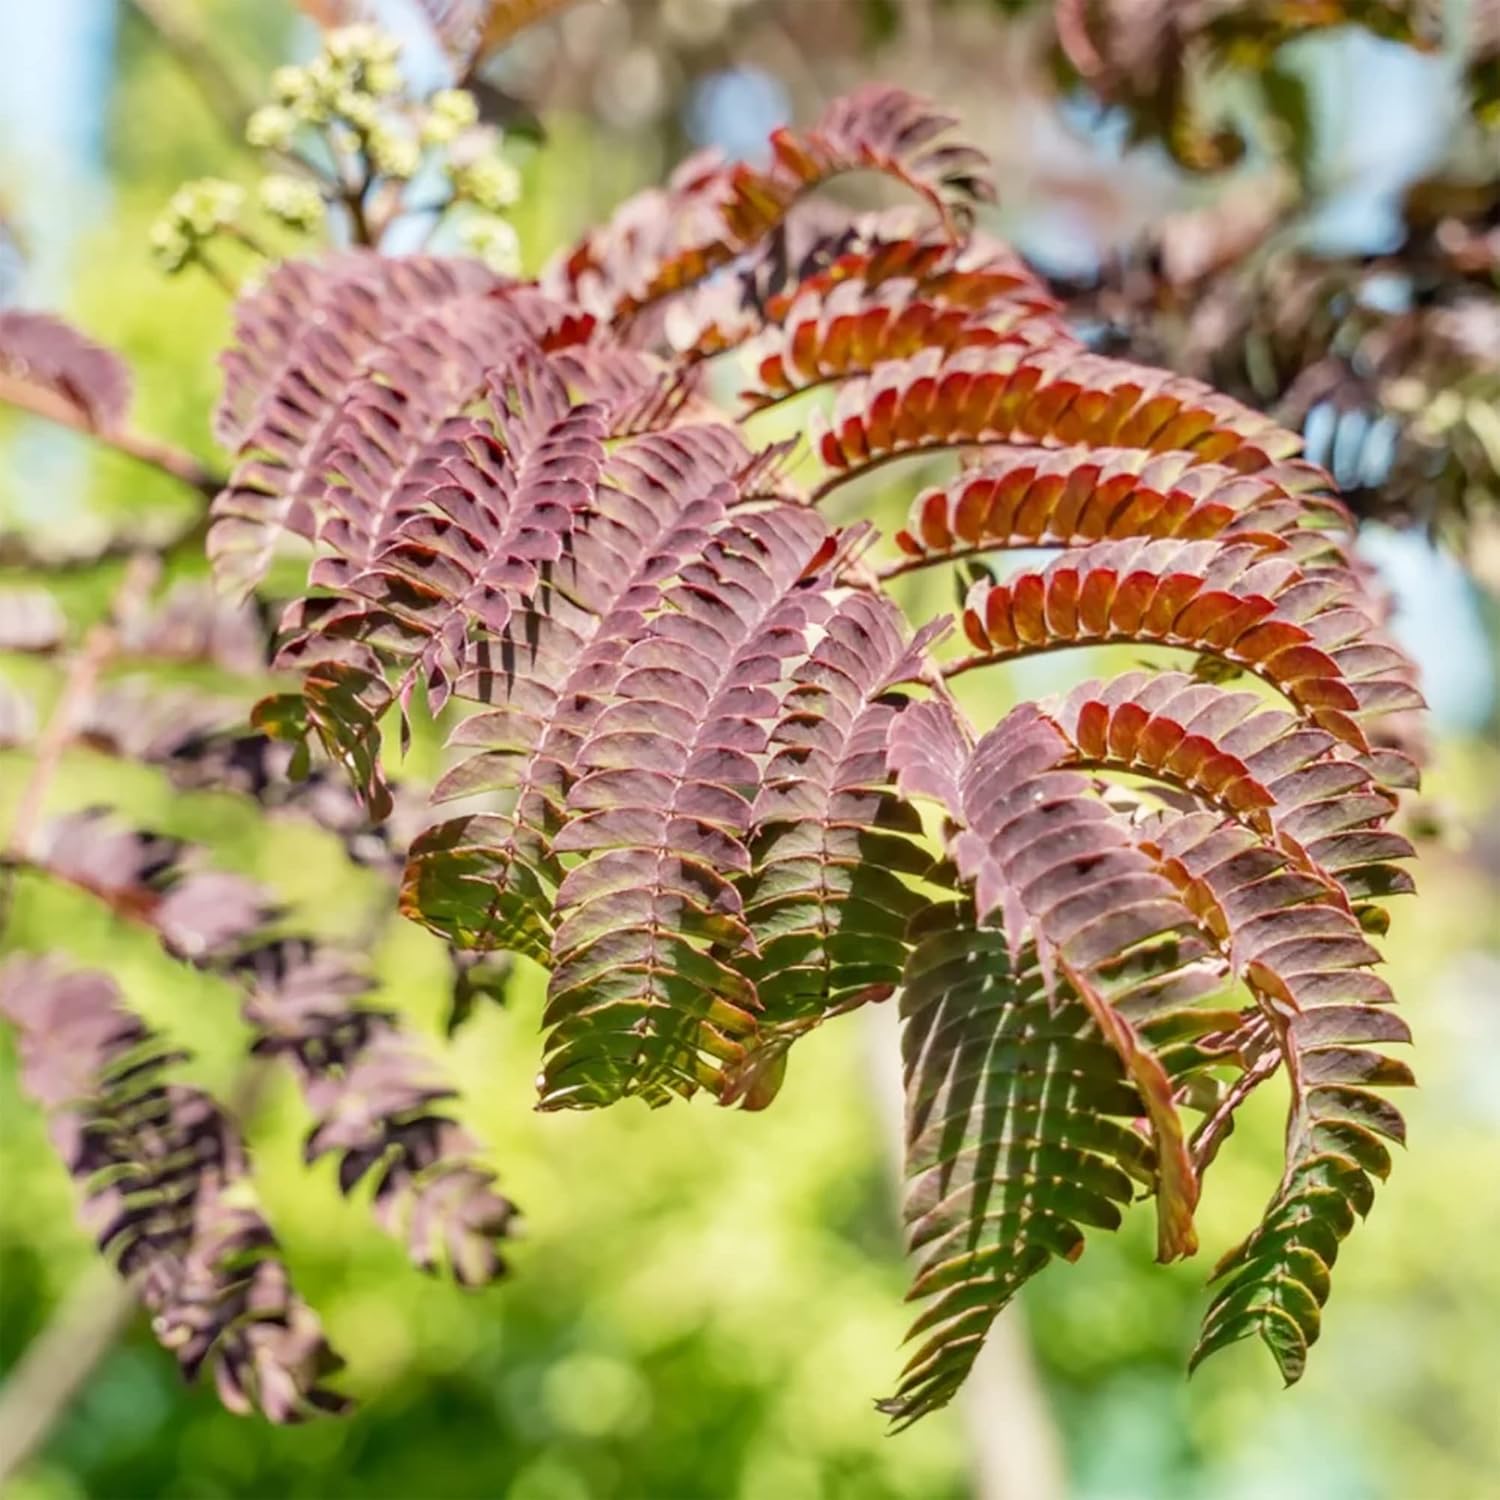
(44, 352)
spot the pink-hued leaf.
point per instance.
(876, 305)
(303, 342)
(41, 351)
(833, 849)
(711, 212)
(30, 620)
(1057, 397)
(1070, 497)
(451, 573)
(379, 1104)
(1305, 634)
(198, 914)
(661, 810)
(167, 1190)
(490, 878)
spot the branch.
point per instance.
(180, 35)
(177, 462)
(841, 477)
(98, 646)
(57, 1363)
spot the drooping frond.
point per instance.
(1008, 394)
(1049, 862)
(200, 743)
(826, 903)
(476, 547)
(1018, 1137)
(167, 1190)
(1308, 964)
(1069, 497)
(875, 305)
(1297, 785)
(1268, 886)
(637, 1002)
(45, 353)
(377, 1104)
(376, 1099)
(342, 697)
(398, 424)
(1305, 632)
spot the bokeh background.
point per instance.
(706, 1302)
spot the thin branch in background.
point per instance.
(177, 462)
(83, 675)
(56, 1365)
(178, 32)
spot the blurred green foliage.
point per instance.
(705, 1302)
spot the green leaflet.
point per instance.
(1018, 1135)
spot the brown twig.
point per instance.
(56, 1364)
(177, 462)
(98, 647)
(179, 35)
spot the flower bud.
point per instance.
(205, 206)
(494, 241)
(358, 109)
(170, 246)
(271, 128)
(382, 79)
(393, 154)
(289, 85)
(292, 200)
(449, 111)
(488, 183)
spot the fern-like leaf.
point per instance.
(875, 305)
(1007, 394)
(375, 1102)
(489, 879)
(302, 342)
(167, 1190)
(1305, 634)
(637, 1002)
(460, 564)
(711, 213)
(1307, 962)
(1019, 1135)
(1069, 497)
(833, 848)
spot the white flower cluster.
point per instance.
(347, 109)
(194, 213)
